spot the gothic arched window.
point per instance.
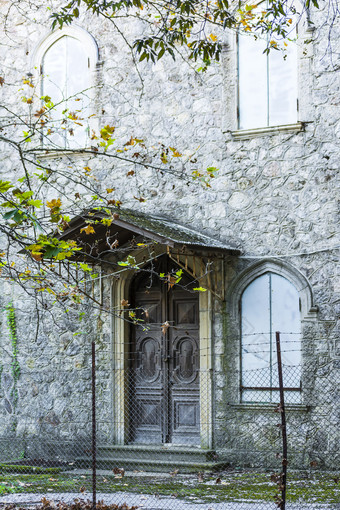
(67, 59)
(270, 303)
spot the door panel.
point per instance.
(184, 370)
(146, 375)
(164, 378)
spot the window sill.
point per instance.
(269, 407)
(51, 154)
(244, 134)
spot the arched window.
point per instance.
(270, 303)
(66, 61)
(267, 84)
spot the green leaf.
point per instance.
(200, 289)
(160, 54)
(24, 195)
(130, 262)
(5, 186)
(35, 203)
(8, 215)
(51, 251)
(85, 267)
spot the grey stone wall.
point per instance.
(275, 195)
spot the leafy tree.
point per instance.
(36, 207)
(196, 25)
(39, 197)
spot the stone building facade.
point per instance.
(267, 221)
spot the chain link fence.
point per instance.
(163, 437)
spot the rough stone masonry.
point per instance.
(275, 196)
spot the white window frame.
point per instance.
(306, 113)
(266, 95)
(90, 48)
(309, 316)
(267, 340)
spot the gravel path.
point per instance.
(147, 502)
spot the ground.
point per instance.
(232, 486)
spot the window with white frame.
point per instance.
(270, 303)
(67, 60)
(267, 84)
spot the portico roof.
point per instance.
(128, 225)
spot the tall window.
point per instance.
(267, 84)
(66, 78)
(269, 304)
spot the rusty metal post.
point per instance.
(94, 445)
(283, 483)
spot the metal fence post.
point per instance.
(94, 446)
(283, 426)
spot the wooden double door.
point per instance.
(164, 385)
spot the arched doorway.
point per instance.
(164, 359)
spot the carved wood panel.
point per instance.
(164, 368)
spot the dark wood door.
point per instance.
(164, 364)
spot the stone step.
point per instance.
(158, 458)
(155, 452)
(159, 466)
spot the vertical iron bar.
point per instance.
(271, 336)
(283, 425)
(268, 85)
(167, 432)
(94, 446)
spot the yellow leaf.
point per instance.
(175, 152)
(88, 230)
(213, 37)
(54, 203)
(106, 221)
(109, 190)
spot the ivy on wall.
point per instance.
(15, 367)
